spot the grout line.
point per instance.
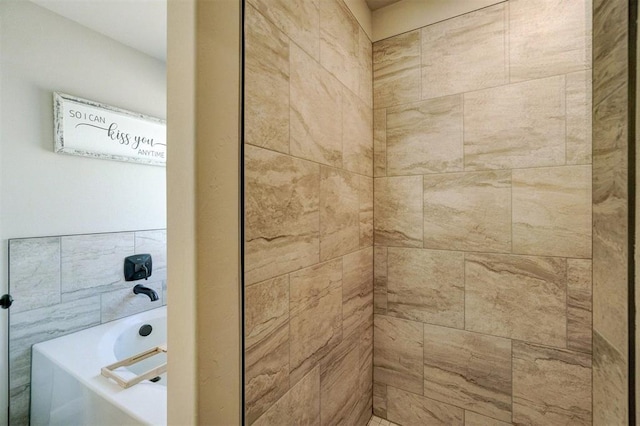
(464, 137)
(511, 207)
(342, 298)
(495, 336)
(464, 290)
(319, 33)
(507, 41)
(421, 65)
(487, 253)
(307, 160)
(319, 218)
(557, 166)
(566, 303)
(566, 133)
(386, 281)
(386, 146)
(422, 363)
(511, 360)
(60, 271)
(290, 106)
(289, 336)
(422, 201)
(343, 99)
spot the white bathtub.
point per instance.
(68, 389)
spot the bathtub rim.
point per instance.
(139, 401)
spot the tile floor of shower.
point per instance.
(377, 421)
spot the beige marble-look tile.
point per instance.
(365, 68)
(94, 260)
(520, 297)
(365, 376)
(550, 386)
(365, 199)
(315, 315)
(380, 279)
(339, 393)
(475, 419)
(610, 383)
(357, 291)
(299, 406)
(425, 137)
(266, 372)
(396, 70)
(154, 242)
(466, 53)
(426, 286)
(610, 47)
(266, 83)
(397, 353)
(34, 272)
(266, 309)
(552, 211)
(610, 224)
(579, 123)
(397, 219)
(468, 211)
(515, 126)
(357, 125)
(300, 21)
(409, 409)
(282, 218)
(380, 400)
(316, 127)
(365, 416)
(456, 364)
(123, 302)
(339, 42)
(339, 212)
(579, 302)
(548, 37)
(379, 142)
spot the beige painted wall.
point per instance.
(181, 213)
(407, 15)
(203, 212)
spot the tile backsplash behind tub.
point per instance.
(65, 284)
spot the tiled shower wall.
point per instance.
(65, 284)
(610, 210)
(308, 214)
(482, 224)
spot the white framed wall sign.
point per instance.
(91, 129)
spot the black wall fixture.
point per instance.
(137, 267)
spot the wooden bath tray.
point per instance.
(109, 372)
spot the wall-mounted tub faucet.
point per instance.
(140, 289)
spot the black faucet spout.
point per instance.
(151, 293)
